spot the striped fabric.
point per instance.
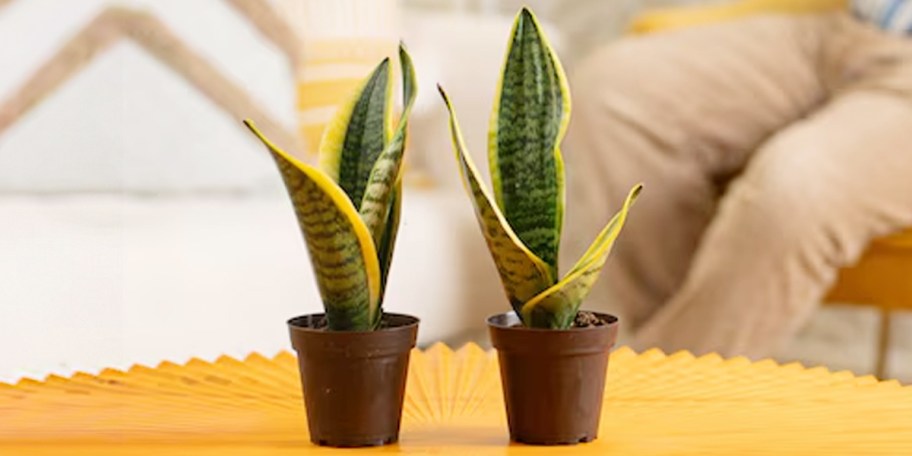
(891, 15)
(342, 42)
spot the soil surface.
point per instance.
(321, 324)
(583, 320)
(588, 319)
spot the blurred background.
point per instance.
(139, 221)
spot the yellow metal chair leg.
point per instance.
(883, 344)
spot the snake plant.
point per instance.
(348, 207)
(522, 221)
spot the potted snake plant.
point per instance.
(553, 357)
(353, 358)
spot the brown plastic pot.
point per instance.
(353, 382)
(553, 380)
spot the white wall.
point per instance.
(141, 223)
(126, 121)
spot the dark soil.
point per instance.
(321, 323)
(588, 319)
(583, 320)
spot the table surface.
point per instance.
(654, 404)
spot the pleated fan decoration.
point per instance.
(655, 404)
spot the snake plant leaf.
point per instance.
(522, 273)
(388, 240)
(358, 133)
(341, 250)
(375, 205)
(557, 306)
(529, 119)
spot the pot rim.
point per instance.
(407, 323)
(512, 319)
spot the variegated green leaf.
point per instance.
(375, 205)
(388, 241)
(523, 274)
(358, 134)
(341, 250)
(530, 116)
(329, 151)
(557, 306)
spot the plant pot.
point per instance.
(353, 382)
(553, 380)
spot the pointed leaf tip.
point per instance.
(528, 122)
(358, 132)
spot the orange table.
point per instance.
(654, 404)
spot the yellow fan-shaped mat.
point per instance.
(654, 404)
